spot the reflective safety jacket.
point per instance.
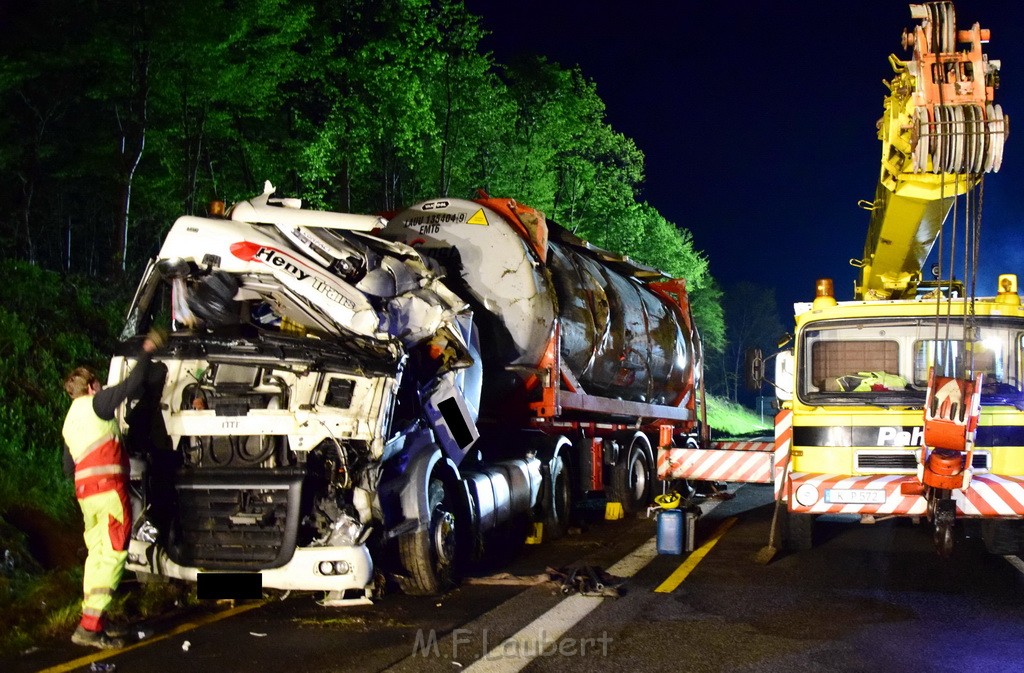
(95, 445)
(864, 382)
(93, 438)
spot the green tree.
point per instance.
(48, 325)
(120, 54)
(40, 91)
(470, 105)
(562, 156)
(222, 98)
(368, 116)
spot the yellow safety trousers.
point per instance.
(107, 518)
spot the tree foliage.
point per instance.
(154, 109)
(144, 111)
(49, 323)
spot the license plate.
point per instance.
(854, 496)
(238, 586)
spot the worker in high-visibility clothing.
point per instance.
(93, 450)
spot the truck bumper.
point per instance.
(301, 573)
(989, 495)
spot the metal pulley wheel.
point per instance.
(972, 139)
(923, 139)
(938, 139)
(999, 136)
(959, 140)
(990, 136)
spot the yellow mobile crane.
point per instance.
(862, 376)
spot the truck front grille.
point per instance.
(236, 519)
(900, 462)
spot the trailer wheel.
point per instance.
(556, 509)
(632, 482)
(429, 556)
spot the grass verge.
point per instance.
(41, 592)
(730, 418)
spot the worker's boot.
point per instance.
(97, 639)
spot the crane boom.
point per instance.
(940, 133)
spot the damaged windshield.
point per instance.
(223, 306)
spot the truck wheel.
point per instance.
(429, 556)
(1002, 537)
(796, 530)
(632, 480)
(556, 510)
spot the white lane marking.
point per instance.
(518, 650)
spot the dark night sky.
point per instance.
(758, 119)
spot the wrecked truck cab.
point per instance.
(283, 398)
(259, 454)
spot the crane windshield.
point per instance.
(886, 362)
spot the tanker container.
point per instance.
(619, 338)
(591, 350)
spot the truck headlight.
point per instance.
(807, 495)
(334, 567)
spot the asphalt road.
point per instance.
(866, 598)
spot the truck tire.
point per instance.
(1003, 537)
(557, 494)
(632, 482)
(796, 530)
(429, 556)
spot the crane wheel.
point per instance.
(944, 539)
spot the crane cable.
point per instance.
(938, 149)
(946, 128)
(971, 268)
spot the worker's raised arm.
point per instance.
(107, 400)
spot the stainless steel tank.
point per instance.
(618, 337)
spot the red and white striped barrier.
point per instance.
(989, 495)
(715, 464)
(783, 446)
(817, 493)
(743, 462)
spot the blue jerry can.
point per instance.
(670, 531)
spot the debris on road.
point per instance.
(587, 581)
